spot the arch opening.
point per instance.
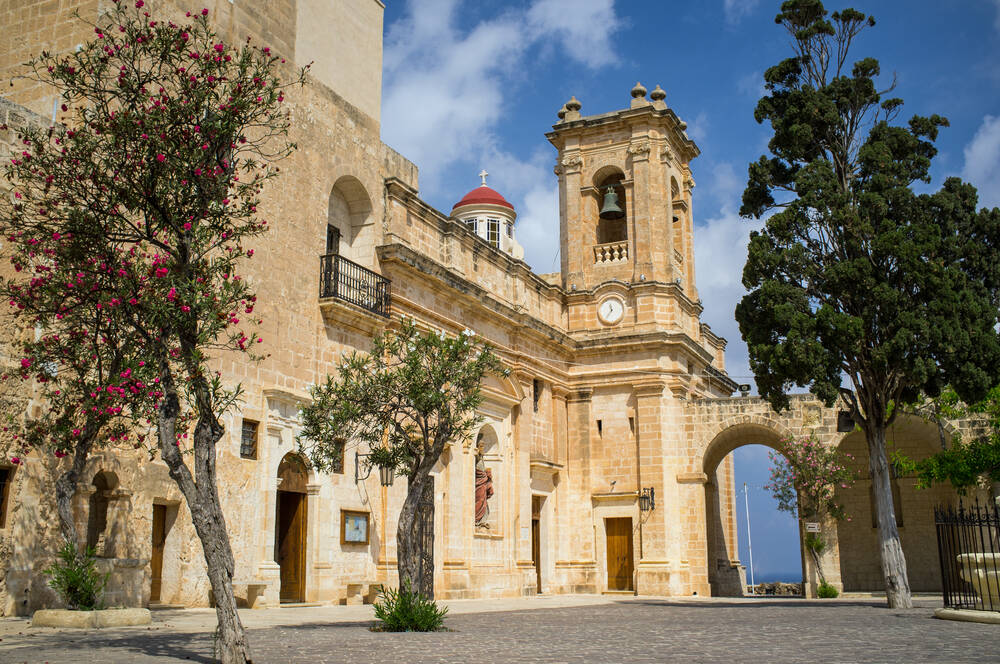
(349, 220)
(735, 462)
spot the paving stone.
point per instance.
(628, 630)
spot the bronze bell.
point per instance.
(610, 209)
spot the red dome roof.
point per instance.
(482, 195)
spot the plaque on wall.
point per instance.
(353, 527)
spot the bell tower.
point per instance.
(625, 197)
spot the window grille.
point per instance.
(510, 229)
(248, 441)
(472, 224)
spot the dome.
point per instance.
(482, 195)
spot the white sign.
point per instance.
(812, 527)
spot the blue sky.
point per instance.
(470, 85)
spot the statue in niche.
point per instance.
(484, 491)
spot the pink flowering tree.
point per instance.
(805, 476)
(127, 228)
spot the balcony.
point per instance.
(611, 252)
(350, 282)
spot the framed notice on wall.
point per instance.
(353, 527)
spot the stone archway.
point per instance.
(726, 573)
(859, 551)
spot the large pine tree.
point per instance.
(855, 275)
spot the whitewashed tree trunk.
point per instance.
(897, 585)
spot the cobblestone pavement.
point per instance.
(566, 630)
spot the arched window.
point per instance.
(98, 534)
(6, 480)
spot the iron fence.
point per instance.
(969, 550)
(348, 281)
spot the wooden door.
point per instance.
(536, 550)
(156, 561)
(619, 553)
(290, 545)
(536, 540)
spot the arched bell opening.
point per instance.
(612, 205)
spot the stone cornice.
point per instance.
(403, 256)
(686, 148)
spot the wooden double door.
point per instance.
(290, 544)
(619, 553)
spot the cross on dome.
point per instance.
(483, 174)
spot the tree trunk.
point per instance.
(66, 488)
(897, 585)
(414, 562)
(202, 496)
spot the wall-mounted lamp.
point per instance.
(385, 475)
(647, 500)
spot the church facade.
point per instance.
(603, 462)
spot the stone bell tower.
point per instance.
(633, 160)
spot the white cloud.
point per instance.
(536, 198)
(735, 10)
(720, 246)
(445, 88)
(982, 161)
(584, 30)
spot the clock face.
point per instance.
(610, 311)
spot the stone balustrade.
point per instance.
(611, 252)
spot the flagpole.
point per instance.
(746, 502)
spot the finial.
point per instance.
(562, 112)
(658, 94)
(482, 176)
(638, 91)
(573, 104)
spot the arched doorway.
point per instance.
(290, 529)
(726, 571)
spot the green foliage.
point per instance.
(805, 475)
(405, 610)
(129, 220)
(854, 274)
(826, 591)
(963, 464)
(407, 398)
(76, 581)
(815, 543)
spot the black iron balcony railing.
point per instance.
(348, 281)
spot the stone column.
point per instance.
(579, 531)
(574, 250)
(643, 232)
(653, 570)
